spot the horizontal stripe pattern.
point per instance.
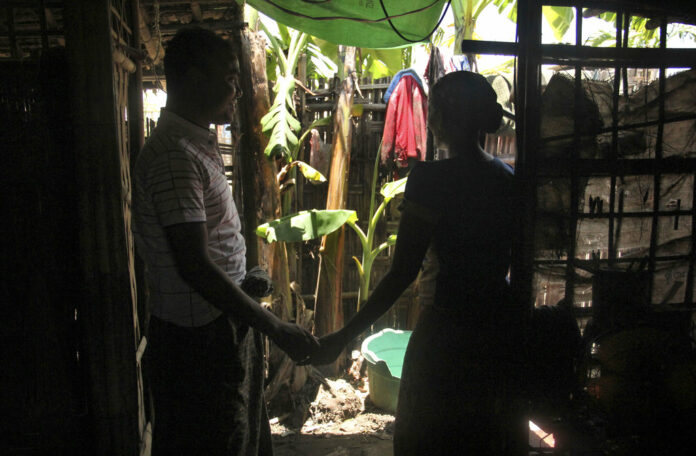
(179, 178)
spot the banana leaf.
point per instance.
(559, 17)
(391, 189)
(310, 173)
(305, 225)
(279, 124)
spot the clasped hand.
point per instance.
(304, 348)
(329, 348)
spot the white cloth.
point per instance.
(179, 178)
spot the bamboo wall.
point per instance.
(71, 345)
(43, 380)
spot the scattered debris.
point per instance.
(335, 404)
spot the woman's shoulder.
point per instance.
(501, 167)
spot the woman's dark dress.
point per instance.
(458, 382)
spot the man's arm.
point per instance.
(189, 244)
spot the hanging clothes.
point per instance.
(434, 70)
(397, 78)
(405, 131)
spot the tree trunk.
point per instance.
(260, 189)
(328, 306)
(262, 200)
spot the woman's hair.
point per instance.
(463, 102)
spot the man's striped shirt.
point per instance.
(179, 178)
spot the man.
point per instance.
(205, 352)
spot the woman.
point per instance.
(457, 388)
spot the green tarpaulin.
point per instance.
(360, 23)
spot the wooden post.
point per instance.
(328, 306)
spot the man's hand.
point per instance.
(330, 347)
(294, 340)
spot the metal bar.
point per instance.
(574, 178)
(490, 47)
(528, 75)
(633, 126)
(624, 73)
(604, 167)
(658, 159)
(588, 264)
(614, 147)
(609, 57)
(689, 295)
(645, 7)
(589, 216)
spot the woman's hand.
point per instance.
(330, 347)
(294, 340)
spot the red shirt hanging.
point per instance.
(405, 134)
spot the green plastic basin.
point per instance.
(384, 352)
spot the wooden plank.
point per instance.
(105, 238)
(318, 107)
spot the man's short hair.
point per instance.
(192, 47)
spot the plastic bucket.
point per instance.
(384, 352)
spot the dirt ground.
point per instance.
(337, 418)
(340, 420)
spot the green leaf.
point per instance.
(310, 173)
(601, 38)
(284, 34)
(305, 225)
(376, 68)
(359, 266)
(321, 64)
(382, 62)
(559, 17)
(509, 6)
(330, 50)
(391, 189)
(279, 124)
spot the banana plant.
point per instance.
(306, 225)
(280, 124)
(388, 192)
(467, 12)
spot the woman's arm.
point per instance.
(414, 236)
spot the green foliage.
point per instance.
(642, 32)
(391, 189)
(280, 123)
(305, 225)
(560, 18)
(508, 8)
(319, 65)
